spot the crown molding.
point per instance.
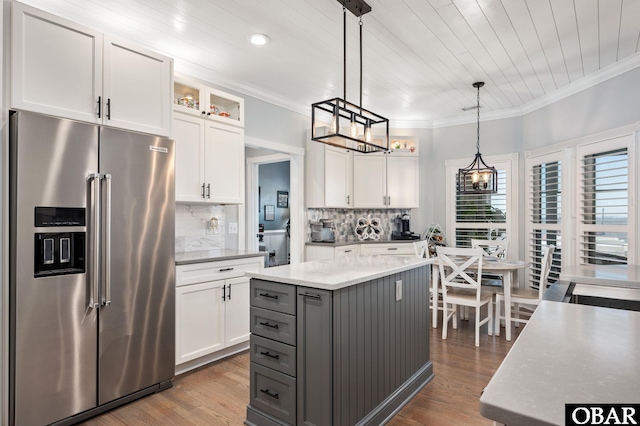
(584, 83)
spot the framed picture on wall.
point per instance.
(269, 212)
(283, 199)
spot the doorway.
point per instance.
(287, 241)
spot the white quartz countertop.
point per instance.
(341, 243)
(567, 353)
(603, 275)
(339, 272)
(184, 258)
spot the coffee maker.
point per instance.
(402, 231)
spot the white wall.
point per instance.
(608, 105)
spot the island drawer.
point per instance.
(273, 393)
(274, 355)
(274, 296)
(273, 325)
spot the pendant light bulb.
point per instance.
(353, 130)
(367, 131)
(334, 120)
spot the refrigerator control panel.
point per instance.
(59, 216)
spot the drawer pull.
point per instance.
(392, 248)
(312, 296)
(272, 395)
(226, 269)
(270, 296)
(347, 251)
(266, 324)
(276, 356)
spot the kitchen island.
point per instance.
(343, 341)
(338, 341)
(567, 354)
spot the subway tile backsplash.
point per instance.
(346, 220)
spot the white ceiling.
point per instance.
(420, 56)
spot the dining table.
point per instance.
(508, 269)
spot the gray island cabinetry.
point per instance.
(343, 341)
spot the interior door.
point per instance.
(137, 327)
(54, 354)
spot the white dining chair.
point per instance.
(460, 287)
(492, 248)
(421, 250)
(530, 297)
(495, 248)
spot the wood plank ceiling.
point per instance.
(420, 56)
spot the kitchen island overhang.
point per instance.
(339, 341)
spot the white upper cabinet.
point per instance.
(328, 176)
(389, 180)
(370, 180)
(402, 181)
(188, 132)
(196, 99)
(209, 150)
(56, 65)
(136, 88)
(224, 163)
(67, 70)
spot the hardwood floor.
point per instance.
(218, 394)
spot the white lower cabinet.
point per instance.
(318, 252)
(212, 310)
(315, 252)
(397, 249)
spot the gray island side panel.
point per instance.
(361, 354)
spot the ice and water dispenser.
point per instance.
(59, 253)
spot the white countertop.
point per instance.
(184, 258)
(567, 353)
(603, 275)
(341, 271)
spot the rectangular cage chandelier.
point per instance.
(342, 124)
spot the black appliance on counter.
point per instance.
(402, 231)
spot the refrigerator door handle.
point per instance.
(94, 180)
(107, 244)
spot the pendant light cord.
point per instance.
(478, 130)
(344, 52)
(361, 65)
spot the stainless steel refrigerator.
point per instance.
(91, 268)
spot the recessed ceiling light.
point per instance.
(258, 39)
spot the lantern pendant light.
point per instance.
(339, 123)
(477, 177)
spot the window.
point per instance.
(604, 207)
(545, 209)
(483, 216)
